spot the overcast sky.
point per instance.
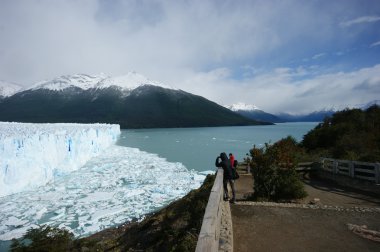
(283, 56)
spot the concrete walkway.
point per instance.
(325, 225)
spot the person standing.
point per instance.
(232, 160)
(223, 162)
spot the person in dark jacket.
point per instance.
(223, 162)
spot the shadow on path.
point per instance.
(331, 193)
(275, 228)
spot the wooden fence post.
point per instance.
(335, 166)
(354, 169)
(351, 169)
(323, 166)
(322, 162)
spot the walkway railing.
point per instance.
(353, 169)
(208, 239)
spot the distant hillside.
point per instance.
(254, 113)
(128, 101)
(351, 134)
(317, 116)
(260, 115)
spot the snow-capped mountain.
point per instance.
(132, 100)
(7, 89)
(318, 116)
(130, 81)
(253, 112)
(242, 106)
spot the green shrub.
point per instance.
(44, 238)
(350, 134)
(273, 167)
(289, 186)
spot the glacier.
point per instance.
(31, 155)
(105, 187)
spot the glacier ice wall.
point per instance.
(34, 154)
(119, 185)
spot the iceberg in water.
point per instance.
(31, 155)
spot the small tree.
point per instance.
(275, 177)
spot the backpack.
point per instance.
(235, 164)
(235, 174)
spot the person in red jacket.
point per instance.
(232, 160)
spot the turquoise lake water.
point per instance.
(197, 148)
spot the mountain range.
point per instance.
(254, 113)
(133, 101)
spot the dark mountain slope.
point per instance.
(260, 115)
(316, 116)
(144, 107)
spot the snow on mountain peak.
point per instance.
(82, 81)
(8, 89)
(129, 81)
(242, 106)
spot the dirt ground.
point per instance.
(276, 228)
(258, 228)
(331, 194)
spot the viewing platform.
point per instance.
(331, 218)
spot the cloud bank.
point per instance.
(275, 54)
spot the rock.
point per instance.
(314, 201)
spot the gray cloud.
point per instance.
(45, 38)
(277, 91)
(198, 46)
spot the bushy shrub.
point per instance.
(273, 167)
(350, 134)
(44, 238)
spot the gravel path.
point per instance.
(322, 225)
(330, 193)
(264, 228)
